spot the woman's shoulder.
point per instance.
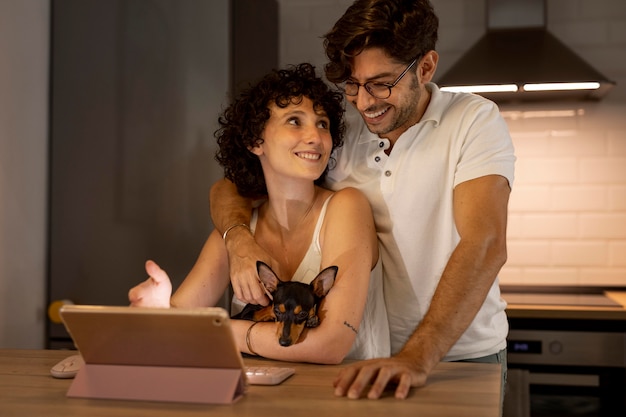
(347, 201)
(348, 222)
(349, 194)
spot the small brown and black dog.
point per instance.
(294, 304)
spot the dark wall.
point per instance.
(136, 90)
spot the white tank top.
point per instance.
(372, 340)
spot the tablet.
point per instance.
(155, 354)
(142, 336)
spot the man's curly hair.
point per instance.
(243, 122)
(404, 29)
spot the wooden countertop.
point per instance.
(532, 311)
(454, 389)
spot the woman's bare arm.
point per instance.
(348, 240)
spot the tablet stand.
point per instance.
(159, 383)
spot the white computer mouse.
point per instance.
(68, 367)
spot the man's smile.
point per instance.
(373, 115)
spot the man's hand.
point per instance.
(229, 208)
(401, 371)
(243, 254)
(153, 292)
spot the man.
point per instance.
(437, 169)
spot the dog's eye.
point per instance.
(277, 312)
(303, 315)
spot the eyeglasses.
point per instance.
(377, 90)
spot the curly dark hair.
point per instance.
(405, 29)
(243, 122)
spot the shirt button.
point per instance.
(381, 144)
(377, 159)
(387, 173)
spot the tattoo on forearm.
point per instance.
(351, 327)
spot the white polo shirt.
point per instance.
(459, 138)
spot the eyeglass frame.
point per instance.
(389, 86)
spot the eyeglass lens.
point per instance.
(377, 90)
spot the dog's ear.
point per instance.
(324, 281)
(268, 277)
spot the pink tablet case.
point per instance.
(159, 383)
(153, 354)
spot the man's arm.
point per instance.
(228, 209)
(480, 213)
(227, 206)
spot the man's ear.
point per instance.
(428, 66)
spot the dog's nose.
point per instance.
(285, 341)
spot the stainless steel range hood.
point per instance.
(519, 60)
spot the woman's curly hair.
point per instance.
(243, 122)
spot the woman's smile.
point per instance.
(309, 155)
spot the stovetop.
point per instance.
(559, 296)
(583, 300)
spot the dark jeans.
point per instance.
(500, 358)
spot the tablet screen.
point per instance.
(199, 337)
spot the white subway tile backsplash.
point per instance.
(617, 253)
(514, 226)
(604, 116)
(603, 277)
(617, 198)
(511, 275)
(528, 252)
(579, 253)
(607, 170)
(616, 143)
(547, 170)
(579, 198)
(580, 144)
(529, 198)
(547, 276)
(603, 226)
(550, 226)
(536, 120)
(529, 145)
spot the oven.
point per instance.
(567, 366)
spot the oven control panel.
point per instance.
(549, 347)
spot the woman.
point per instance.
(276, 139)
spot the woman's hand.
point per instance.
(153, 292)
